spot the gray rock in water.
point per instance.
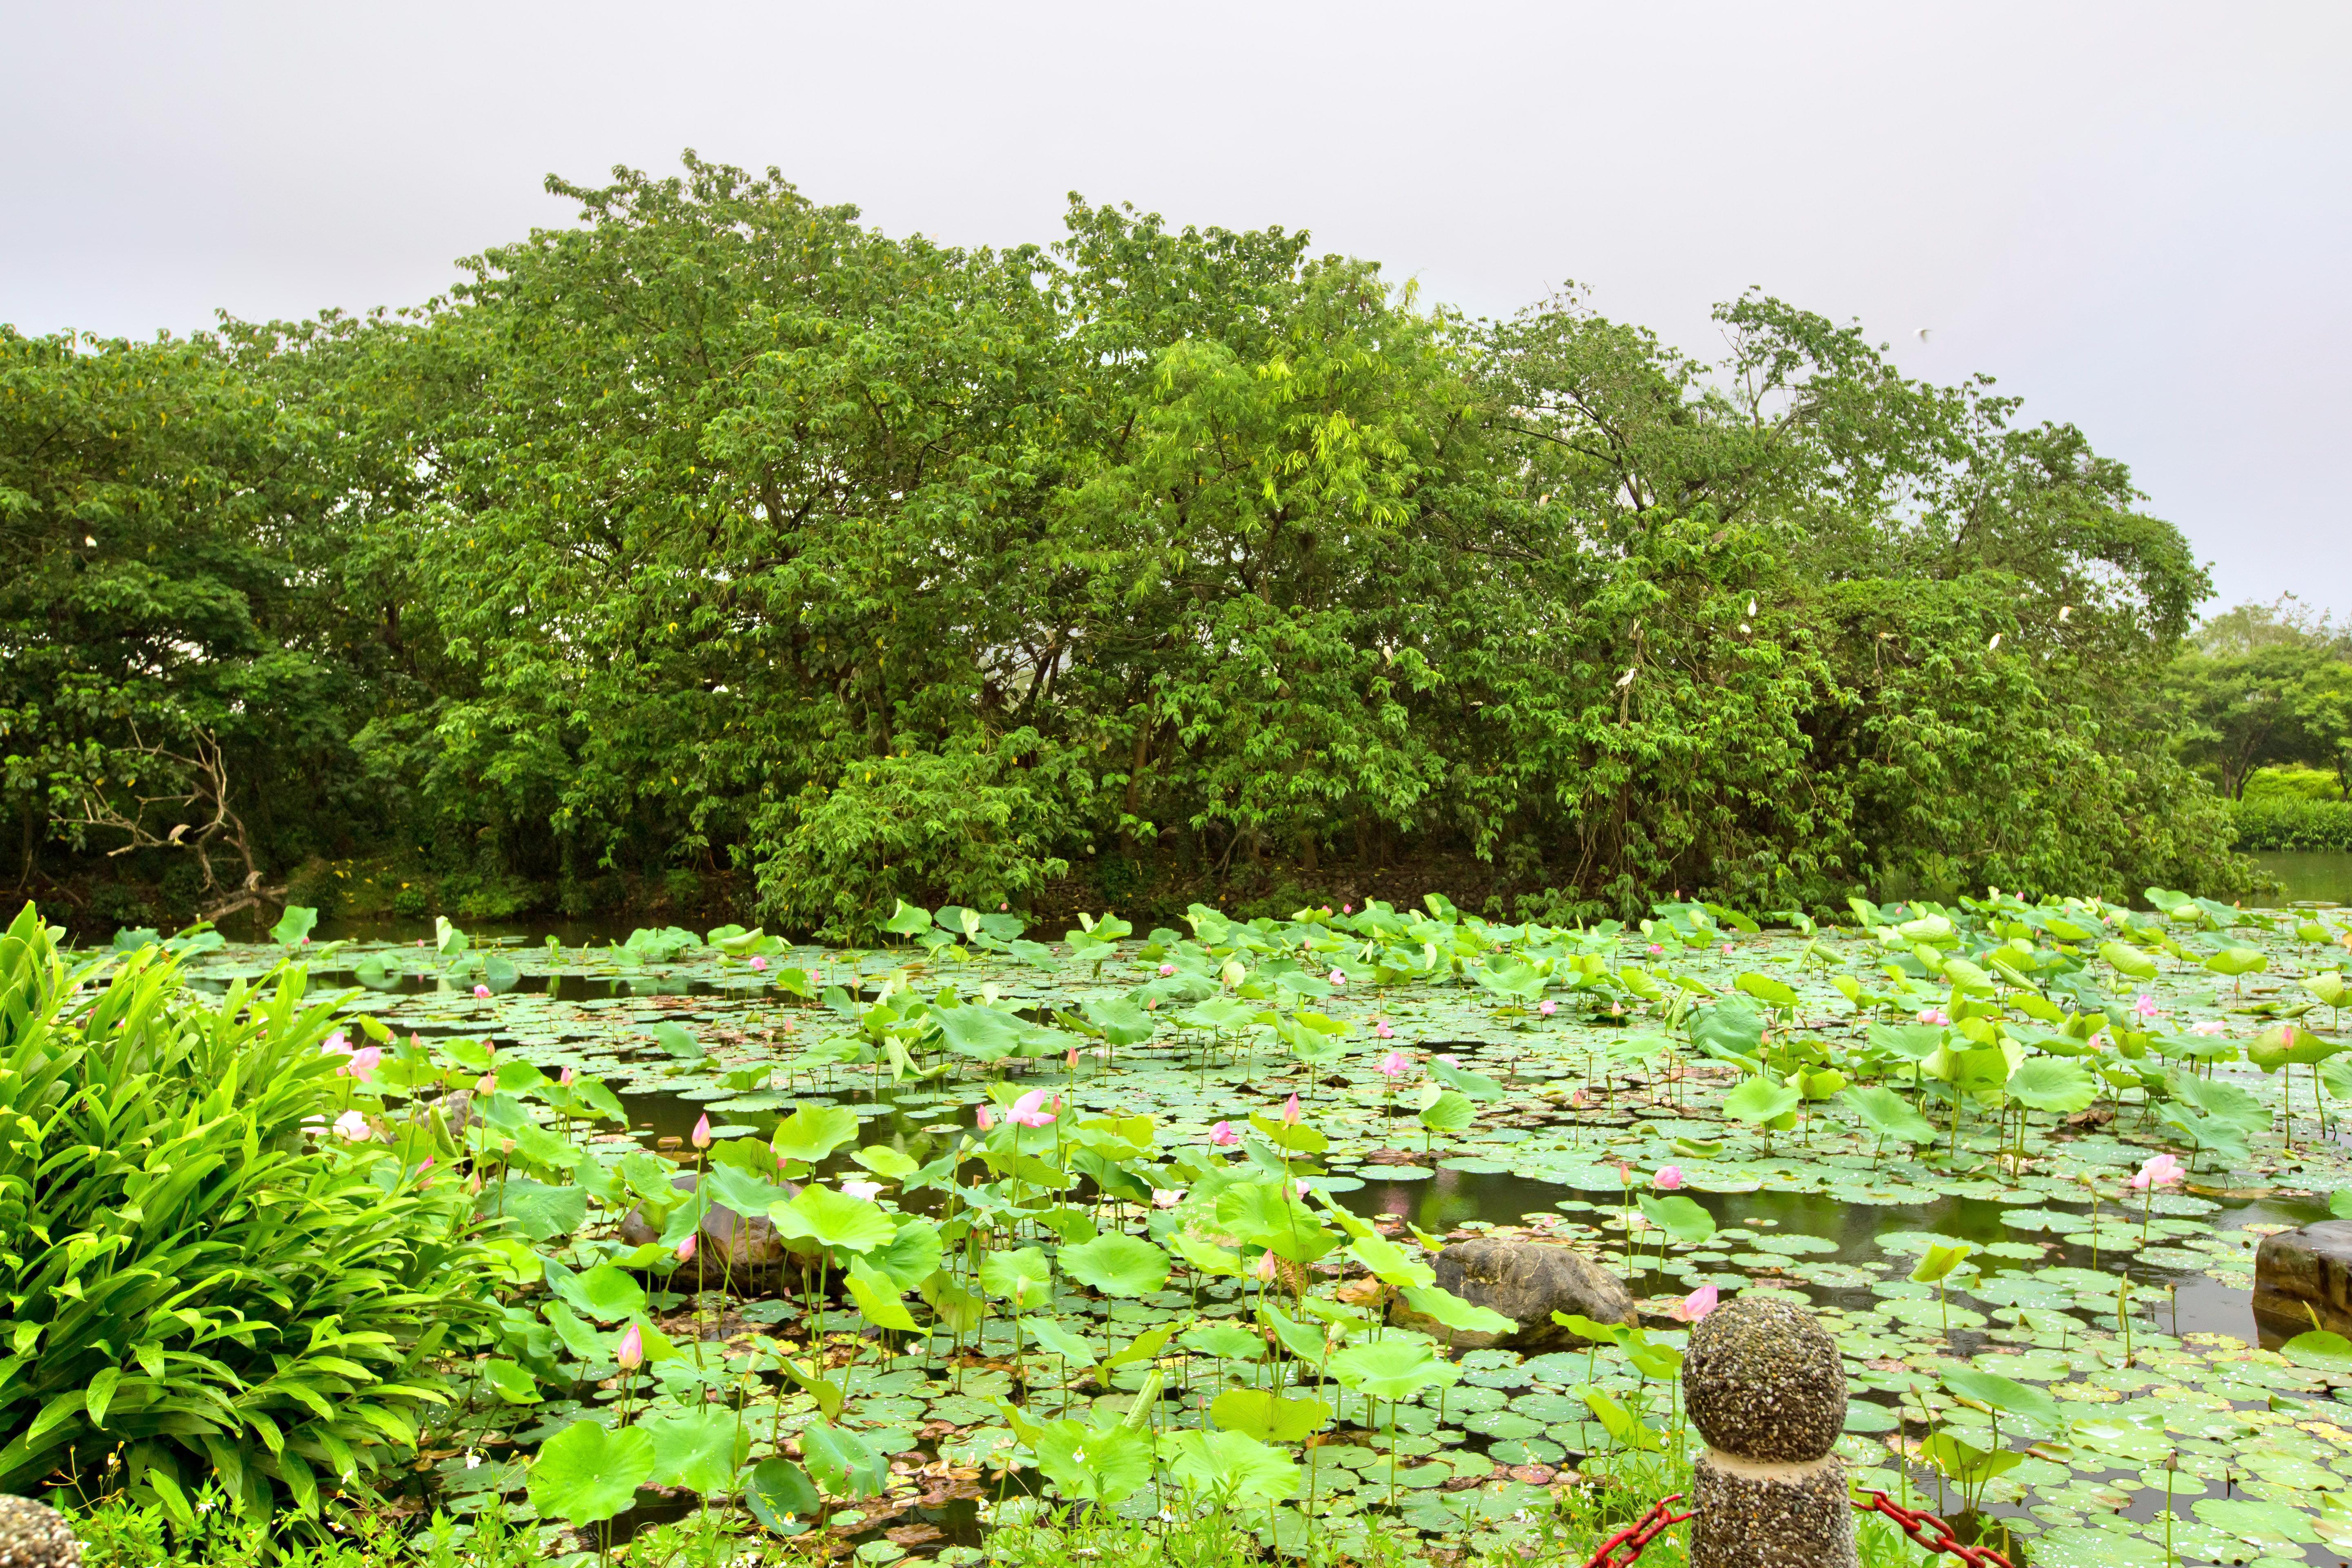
(730, 1244)
(1526, 1281)
(1770, 1515)
(2297, 1271)
(35, 1536)
(1762, 1380)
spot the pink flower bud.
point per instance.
(566, 1078)
(1290, 1112)
(481, 993)
(700, 1137)
(686, 1250)
(987, 1119)
(1695, 1306)
(631, 1352)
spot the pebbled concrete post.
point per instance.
(1764, 1386)
(33, 1535)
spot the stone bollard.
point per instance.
(1764, 1386)
(33, 1536)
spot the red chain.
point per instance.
(1914, 1525)
(1638, 1535)
(1652, 1524)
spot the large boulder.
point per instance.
(730, 1244)
(1526, 1281)
(35, 1536)
(2300, 1272)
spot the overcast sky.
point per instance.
(2134, 215)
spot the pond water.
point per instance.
(2307, 876)
(1607, 1075)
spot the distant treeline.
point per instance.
(723, 534)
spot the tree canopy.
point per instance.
(723, 529)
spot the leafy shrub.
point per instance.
(197, 1279)
(2288, 822)
(2293, 783)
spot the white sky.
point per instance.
(2135, 215)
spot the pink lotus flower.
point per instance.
(1449, 1059)
(1338, 977)
(1264, 1270)
(1224, 1136)
(1576, 1100)
(2146, 1006)
(869, 1191)
(352, 1127)
(1290, 1112)
(1070, 1062)
(489, 1048)
(363, 1062)
(1668, 1178)
(1347, 908)
(1624, 1173)
(1166, 969)
(1547, 1007)
(567, 1078)
(1695, 1306)
(631, 1352)
(1656, 948)
(1933, 1017)
(335, 1045)
(1383, 1031)
(487, 1084)
(481, 993)
(1167, 1197)
(987, 1119)
(686, 1250)
(700, 1136)
(759, 964)
(2209, 1027)
(1029, 1110)
(2163, 1170)
(1393, 1065)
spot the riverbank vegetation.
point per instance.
(722, 554)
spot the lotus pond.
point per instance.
(1145, 1221)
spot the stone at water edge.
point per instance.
(35, 1536)
(728, 1240)
(1527, 1282)
(1763, 1383)
(2307, 1268)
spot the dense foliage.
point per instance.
(2267, 687)
(721, 531)
(203, 1284)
